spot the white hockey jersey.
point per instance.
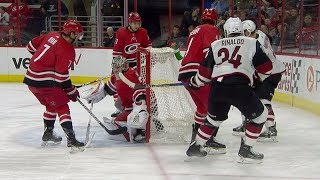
(278, 66)
(234, 55)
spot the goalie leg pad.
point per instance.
(138, 117)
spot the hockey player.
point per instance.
(48, 78)
(125, 81)
(229, 67)
(197, 47)
(128, 40)
(264, 87)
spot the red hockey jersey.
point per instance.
(127, 94)
(127, 43)
(197, 46)
(50, 63)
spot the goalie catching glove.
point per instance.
(97, 95)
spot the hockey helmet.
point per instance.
(209, 15)
(249, 26)
(73, 26)
(233, 26)
(134, 17)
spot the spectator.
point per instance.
(177, 38)
(294, 21)
(309, 34)
(189, 18)
(4, 16)
(253, 10)
(264, 29)
(109, 40)
(274, 38)
(221, 6)
(111, 8)
(268, 9)
(50, 7)
(11, 39)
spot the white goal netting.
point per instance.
(173, 114)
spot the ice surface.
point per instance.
(295, 156)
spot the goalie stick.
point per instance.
(121, 130)
(91, 82)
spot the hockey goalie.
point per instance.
(125, 81)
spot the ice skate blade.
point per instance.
(194, 158)
(88, 143)
(272, 139)
(74, 149)
(50, 143)
(238, 133)
(215, 151)
(107, 120)
(243, 160)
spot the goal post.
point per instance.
(170, 108)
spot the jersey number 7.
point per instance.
(235, 57)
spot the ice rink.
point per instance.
(295, 156)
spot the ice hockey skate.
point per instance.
(50, 137)
(195, 151)
(140, 137)
(212, 146)
(269, 135)
(115, 114)
(72, 142)
(248, 156)
(238, 131)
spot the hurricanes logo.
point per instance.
(131, 48)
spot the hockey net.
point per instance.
(171, 108)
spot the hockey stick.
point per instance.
(121, 130)
(139, 86)
(88, 126)
(169, 84)
(91, 82)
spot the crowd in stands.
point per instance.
(291, 33)
(271, 21)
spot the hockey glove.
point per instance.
(192, 84)
(97, 95)
(72, 93)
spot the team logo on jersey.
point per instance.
(131, 48)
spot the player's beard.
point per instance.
(73, 40)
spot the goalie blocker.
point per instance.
(123, 82)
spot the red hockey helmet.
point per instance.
(134, 17)
(73, 26)
(209, 15)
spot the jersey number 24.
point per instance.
(235, 57)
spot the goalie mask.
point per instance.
(119, 64)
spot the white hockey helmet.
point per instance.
(249, 26)
(233, 26)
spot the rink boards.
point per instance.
(299, 86)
